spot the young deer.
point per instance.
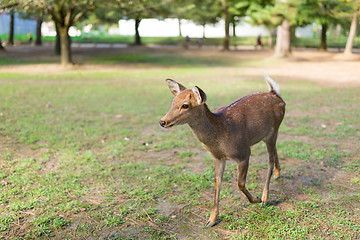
(229, 132)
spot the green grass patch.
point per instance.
(83, 156)
(308, 152)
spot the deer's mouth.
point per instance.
(168, 125)
(164, 124)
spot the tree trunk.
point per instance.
(270, 38)
(323, 45)
(337, 30)
(38, 40)
(11, 33)
(137, 34)
(204, 30)
(352, 33)
(234, 28)
(57, 42)
(180, 33)
(283, 40)
(65, 46)
(226, 43)
(1, 46)
(293, 35)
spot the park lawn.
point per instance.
(82, 156)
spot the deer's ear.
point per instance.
(175, 87)
(199, 94)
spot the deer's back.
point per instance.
(253, 117)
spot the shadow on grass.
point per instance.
(138, 56)
(4, 61)
(274, 202)
(9, 61)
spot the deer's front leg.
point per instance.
(219, 171)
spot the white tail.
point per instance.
(272, 84)
(229, 133)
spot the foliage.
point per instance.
(143, 9)
(262, 13)
(8, 4)
(205, 12)
(321, 12)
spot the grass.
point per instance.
(82, 156)
(332, 42)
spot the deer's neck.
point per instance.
(205, 125)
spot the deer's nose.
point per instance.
(162, 123)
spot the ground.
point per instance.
(83, 155)
(318, 66)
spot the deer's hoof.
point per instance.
(210, 224)
(276, 174)
(256, 200)
(263, 204)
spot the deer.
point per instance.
(229, 132)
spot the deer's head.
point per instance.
(186, 101)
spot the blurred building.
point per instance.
(170, 28)
(25, 26)
(21, 26)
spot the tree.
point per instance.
(204, 12)
(140, 9)
(226, 16)
(11, 31)
(65, 14)
(113, 10)
(234, 21)
(321, 12)
(30, 12)
(38, 15)
(182, 10)
(1, 46)
(57, 49)
(347, 14)
(353, 28)
(8, 4)
(261, 12)
(286, 11)
(38, 40)
(231, 9)
(283, 40)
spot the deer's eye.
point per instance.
(185, 106)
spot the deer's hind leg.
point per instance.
(243, 165)
(273, 160)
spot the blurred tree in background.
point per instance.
(350, 9)
(284, 15)
(320, 12)
(65, 14)
(187, 9)
(204, 12)
(261, 12)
